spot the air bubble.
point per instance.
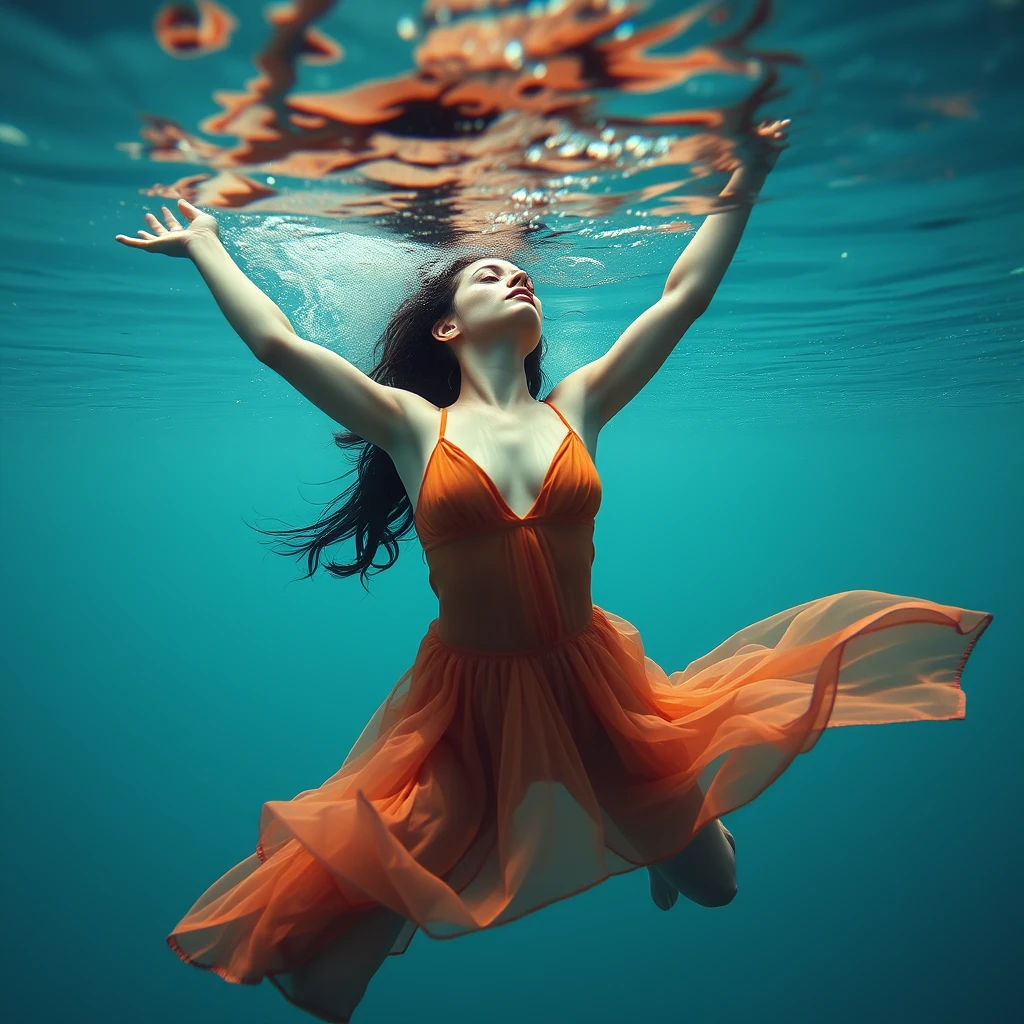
(514, 54)
(573, 146)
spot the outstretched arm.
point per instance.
(602, 387)
(374, 411)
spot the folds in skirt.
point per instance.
(488, 786)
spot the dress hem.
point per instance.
(978, 629)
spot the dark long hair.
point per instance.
(375, 509)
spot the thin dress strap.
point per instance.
(560, 416)
(444, 420)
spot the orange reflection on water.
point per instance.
(497, 128)
(193, 30)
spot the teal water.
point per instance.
(831, 423)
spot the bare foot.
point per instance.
(663, 892)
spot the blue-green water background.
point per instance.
(832, 423)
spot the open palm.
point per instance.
(171, 238)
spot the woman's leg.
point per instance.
(330, 985)
(704, 871)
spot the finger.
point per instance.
(135, 243)
(147, 236)
(170, 219)
(155, 224)
(188, 209)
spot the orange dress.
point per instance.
(532, 749)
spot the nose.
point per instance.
(520, 279)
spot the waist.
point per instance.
(437, 636)
(513, 591)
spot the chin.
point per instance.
(521, 306)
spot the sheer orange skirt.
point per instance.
(487, 786)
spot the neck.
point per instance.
(493, 376)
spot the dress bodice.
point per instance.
(504, 582)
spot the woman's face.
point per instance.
(494, 300)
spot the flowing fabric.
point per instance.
(532, 749)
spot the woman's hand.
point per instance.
(253, 315)
(173, 240)
(769, 141)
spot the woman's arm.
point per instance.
(602, 387)
(374, 411)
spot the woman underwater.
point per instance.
(531, 750)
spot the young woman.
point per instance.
(532, 750)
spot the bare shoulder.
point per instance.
(420, 419)
(570, 397)
(415, 408)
